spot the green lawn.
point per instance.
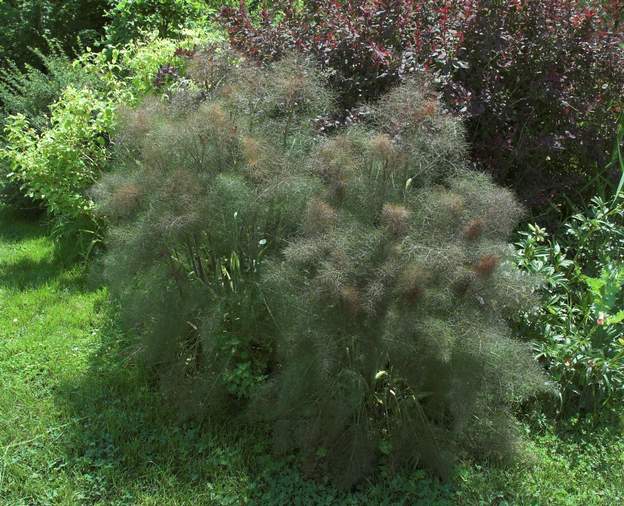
(80, 424)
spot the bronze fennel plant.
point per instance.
(351, 290)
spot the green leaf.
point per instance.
(616, 318)
(595, 284)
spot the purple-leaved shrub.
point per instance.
(539, 82)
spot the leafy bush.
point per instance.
(351, 290)
(132, 19)
(365, 46)
(540, 81)
(613, 11)
(578, 331)
(58, 164)
(30, 92)
(29, 24)
(546, 90)
(55, 154)
(141, 61)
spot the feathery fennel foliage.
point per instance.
(352, 290)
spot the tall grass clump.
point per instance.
(350, 290)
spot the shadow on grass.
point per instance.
(31, 266)
(29, 274)
(127, 443)
(16, 227)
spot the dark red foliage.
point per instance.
(366, 46)
(185, 53)
(613, 12)
(540, 81)
(165, 74)
(546, 79)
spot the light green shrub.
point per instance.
(55, 156)
(30, 92)
(57, 165)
